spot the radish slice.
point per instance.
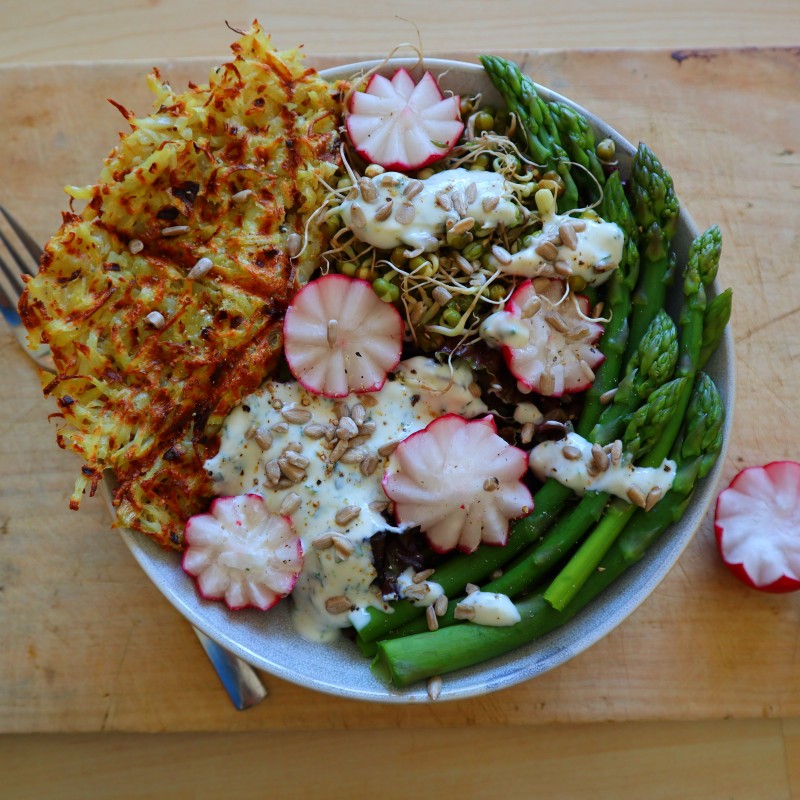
(460, 482)
(559, 357)
(757, 524)
(242, 553)
(403, 126)
(340, 337)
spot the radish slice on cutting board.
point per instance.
(401, 125)
(460, 482)
(757, 524)
(560, 355)
(242, 553)
(340, 337)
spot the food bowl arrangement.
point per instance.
(566, 603)
(270, 642)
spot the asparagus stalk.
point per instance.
(718, 313)
(701, 269)
(413, 658)
(534, 117)
(655, 207)
(615, 208)
(654, 359)
(577, 137)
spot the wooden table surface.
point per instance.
(89, 645)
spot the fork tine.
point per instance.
(12, 275)
(30, 245)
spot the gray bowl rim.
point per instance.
(337, 669)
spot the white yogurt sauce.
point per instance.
(428, 215)
(404, 405)
(599, 241)
(503, 329)
(547, 460)
(491, 608)
(423, 594)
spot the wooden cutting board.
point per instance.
(89, 644)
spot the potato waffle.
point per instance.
(150, 359)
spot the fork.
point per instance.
(19, 255)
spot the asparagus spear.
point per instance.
(718, 312)
(615, 208)
(413, 658)
(577, 137)
(654, 359)
(655, 207)
(541, 135)
(549, 503)
(701, 269)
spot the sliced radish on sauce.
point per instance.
(757, 524)
(560, 356)
(242, 553)
(402, 125)
(340, 337)
(460, 482)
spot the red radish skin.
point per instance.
(367, 344)
(549, 346)
(437, 477)
(229, 533)
(757, 527)
(401, 125)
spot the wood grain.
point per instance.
(50, 30)
(90, 645)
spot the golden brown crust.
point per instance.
(145, 397)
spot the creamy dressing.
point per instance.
(599, 243)
(527, 413)
(503, 329)
(404, 405)
(547, 460)
(491, 609)
(422, 594)
(420, 220)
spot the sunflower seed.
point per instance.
(156, 319)
(531, 307)
(570, 452)
(240, 197)
(295, 415)
(587, 370)
(346, 429)
(547, 250)
(357, 216)
(135, 246)
(353, 455)
(462, 226)
(562, 268)
(174, 230)
(347, 514)
(368, 190)
(332, 332)
(616, 452)
(459, 203)
(315, 430)
(359, 440)
(294, 244)
(202, 267)
(273, 471)
(338, 451)
(527, 432)
(434, 687)
(263, 437)
(384, 212)
(578, 225)
(463, 264)
(280, 427)
(568, 235)
(547, 383)
(599, 458)
(421, 577)
(338, 605)
(373, 170)
(367, 428)
(431, 619)
(387, 449)
(290, 471)
(464, 612)
(636, 497)
(405, 214)
(368, 465)
(358, 414)
(471, 193)
(471, 588)
(289, 504)
(443, 201)
(490, 203)
(413, 188)
(440, 605)
(342, 545)
(556, 322)
(379, 506)
(296, 460)
(323, 541)
(604, 265)
(491, 484)
(653, 496)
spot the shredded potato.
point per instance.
(144, 394)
